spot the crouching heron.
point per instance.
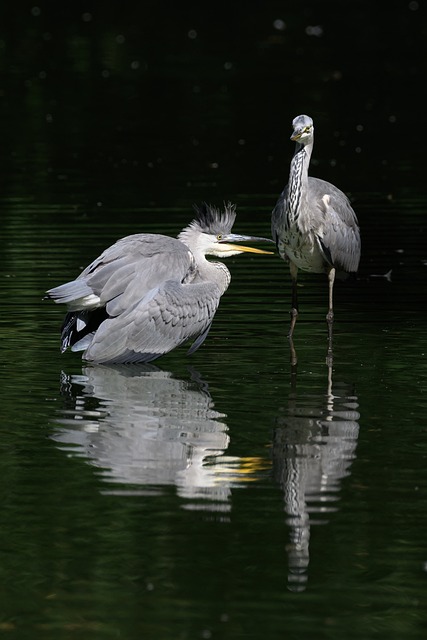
(313, 223)
(149, 293)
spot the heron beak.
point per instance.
(296, 136)
(243, 249)
(234, 237)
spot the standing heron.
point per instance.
(149, 293)
(313, 223)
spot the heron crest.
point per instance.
(212, 221)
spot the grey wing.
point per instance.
(125, 272)
(337, 229)
(165, 318)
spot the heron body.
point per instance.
(149, 293)
(313, 223)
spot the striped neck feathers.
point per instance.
(297, 181)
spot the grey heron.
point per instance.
(313, 223)
(149, 293)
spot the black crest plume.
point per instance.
(213, 221)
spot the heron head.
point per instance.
(211, 233)
(303, 129)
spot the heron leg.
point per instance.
(294, 310)
(330, 314)
(331, 277)
(293, 357)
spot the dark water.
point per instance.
(226, 494)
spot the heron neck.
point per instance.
(215, 272)
(206, 270)
(298, 180)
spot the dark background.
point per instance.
(166, 102)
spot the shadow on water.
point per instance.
(142, 426)
(314, 445)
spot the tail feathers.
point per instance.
(79, 328)
(77, 294)
(84, 343)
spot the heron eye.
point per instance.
(306, 129)
(219, 237)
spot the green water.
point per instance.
(223, 494)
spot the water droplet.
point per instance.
(314, 30)
(279, 24)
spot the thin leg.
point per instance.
(330, 315)
(294, 310)
(331, 277)
(294, 357)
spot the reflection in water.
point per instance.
(313, 448)
(142, 426)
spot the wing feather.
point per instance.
(337, 229)
(125, 272)
(166, 318)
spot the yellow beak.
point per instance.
(230, 238)
(239, 247)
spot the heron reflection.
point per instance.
(314, 445)
(142, 426)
